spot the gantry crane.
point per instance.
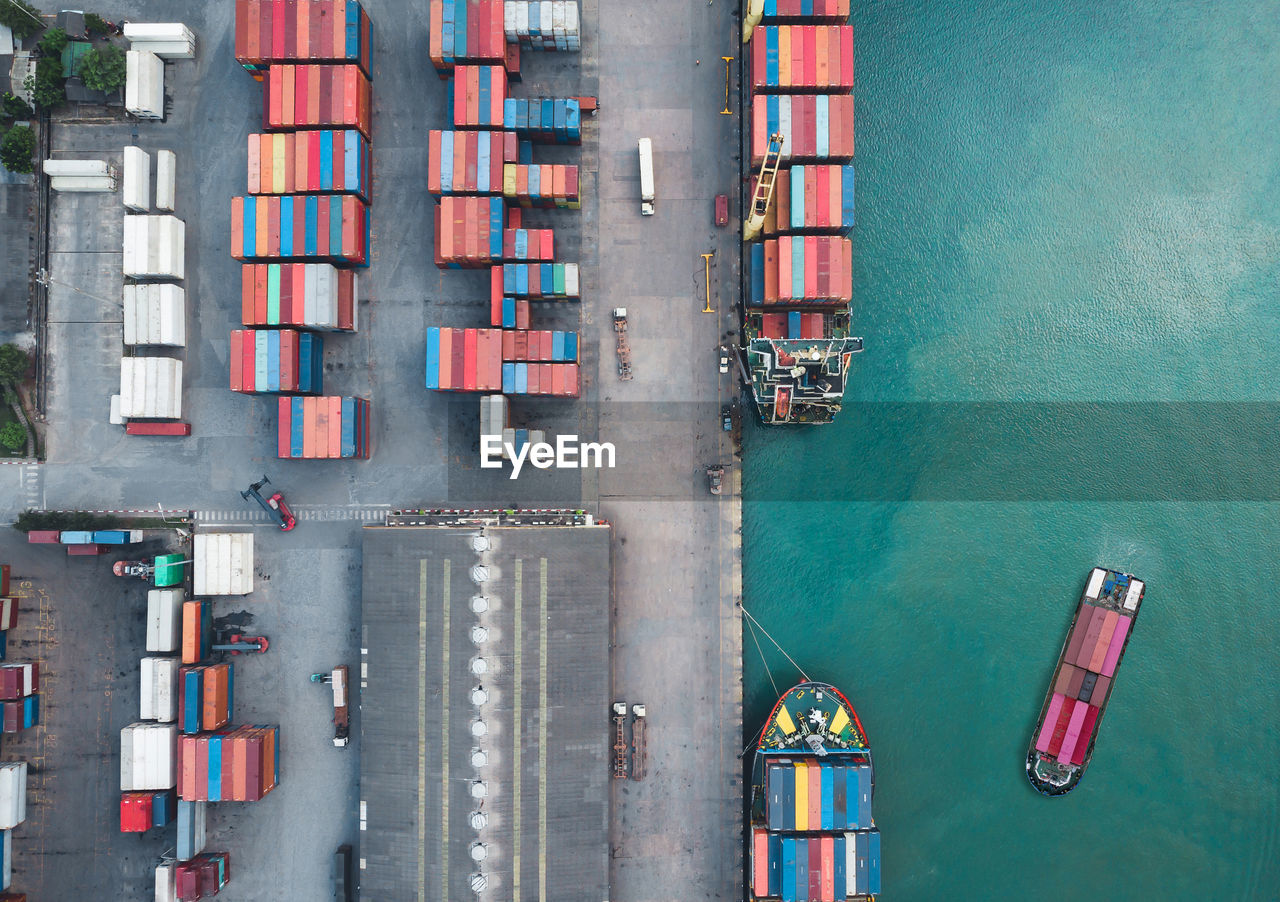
(763, 194)
(752, 17)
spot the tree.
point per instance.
(103, 68)
(95, 24)
(14, 363)
(47, 87)
(17, 151)
(13, 436)
(22, 18)
(16, 107)
(53, 42)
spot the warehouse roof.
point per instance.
(484, 712)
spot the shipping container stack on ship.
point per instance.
(797, 324)
(1064, 737)
(304, 223)
(483, 175)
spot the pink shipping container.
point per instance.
(815, 127)
(802, 58)
(1073, 732)
(1086, 735)
(1109, 621)
(467, 162)
(1077, 633)
(479, 93)
(1050, 721)
(1096, 620)
(1117, 646)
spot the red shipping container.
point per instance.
(41, 536)
(135, 812)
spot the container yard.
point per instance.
(329, 427)
(315, 162)
(276, 361)
(298, 227)
(316, 296)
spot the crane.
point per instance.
(763, 194)
(752, 17)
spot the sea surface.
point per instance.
(1067, 273)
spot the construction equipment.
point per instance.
(639, 750)
(763, 194)
(624, 343)
(620, 747)
(751, 18)
(239, 644)
(337, 678)
(165, 571)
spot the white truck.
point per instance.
(646, 177)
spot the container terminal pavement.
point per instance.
(484, 695)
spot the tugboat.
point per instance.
(812, 833)
(1062, 744)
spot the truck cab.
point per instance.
(646, 177)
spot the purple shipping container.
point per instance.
(1050, 721)
(1100, 647)
(1117, 644)
(1096, 620)
(1074, 682)
(1100, 691)
(1064, 678)
(1073, 734)
(1077, 634)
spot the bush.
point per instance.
(53, 42)
(29, 520)
(19, 16)
(16, 107)
(48, 88)
(95, 24)
(17, 152)
(103, 68)
(13, 436)
(14, 363)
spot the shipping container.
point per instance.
(311, 162)
(760, 861)
(1116, 646)
(543, 24)
(223, 563)
(155, 314)
(468, 231)
(544, 119)
(317, 97)
(311, 295)
(197, 627)
(801, 770)
(143, 427)
(13, 794)
(812, 199)
(135, 189)
(809, 10)
(332, 227)
(477, 96)
(269, 31)
(159, 689)
(326, 427)
(468, 162)
(151, 387)
(465, 31)
(788, 869)
(802, 270)
(144, 84)
(814, 127)
(154, 247)
(276, 361)
(164, 620)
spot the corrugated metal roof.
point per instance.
(541, 724)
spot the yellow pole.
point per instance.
(706, 261)
(726, 111)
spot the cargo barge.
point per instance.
(812, 835)
(798, 341)
(1081, 686)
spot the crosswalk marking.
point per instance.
(33, 486)
(303, 514)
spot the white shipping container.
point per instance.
(28, 680)
(571, 280)
(169, 50)
(126, 760)
(155, 314)
(166, 882)
(13, 794)
(136, 193)
(223, 563)
(144, 84)
(166, 179)
(166, 689)
(83, 184)
(151, 387)
(6, 852)
(154, 247)
(147, 690)
(78, 168)
(152, 755)
(158, 31)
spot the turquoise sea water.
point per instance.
(1068, 277)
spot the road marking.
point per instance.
(444, 746)
(309, 513)
(422, 728)
(33, 486)
(516, 701)
(542, 731)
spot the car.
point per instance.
(722, 209)
(724, 360)
(274, 505)
(715, 474)
(726, 418)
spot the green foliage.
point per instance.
(16, 107)
(95, 24)
(103, 68)
(17, 152)
(53, 42)
(48, 88)
(14, 363)
(21, 17)
(13, 436)
(29, 520)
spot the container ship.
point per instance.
(798, 342)
(812, 836)
(1082, 682)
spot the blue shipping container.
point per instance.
(788, 869)
(75, 537)
(838, 853)
(433, 357)
(873, 862)
(214, 786)
(802, 870)
(295, 432)
(827, 775)
(349, 427)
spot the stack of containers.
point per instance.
(331, 227)
(509, 313)
(794, 324)
(557, 379)
(327, 427)
(19, 685)
(192, 827)
(13, 794)
(167, 40)
(528, 245)
(155, 314)
(159, 696)
(201, 877)
(545, 281)
(197, 631)
(802, 58)
(523, 345)
(309, 295)
(541, 185)
(325, 161)
(815, 127)
(276, 361)
(205, 697)
(144, 84)
(464, 359)
(467, 162)
(151, 388)
(147, 756)
(802, 270)
(232, 764)
(465, 31)
(8, 611)
(812, 199)
(543, 24)
(223, 563)
(154, 247)
(140, 811)
(479, 93)
(164, 621)
(469, 231)
(80, 175)
(544, 119)
(310, 181)
(316, 31)
(136, 189)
